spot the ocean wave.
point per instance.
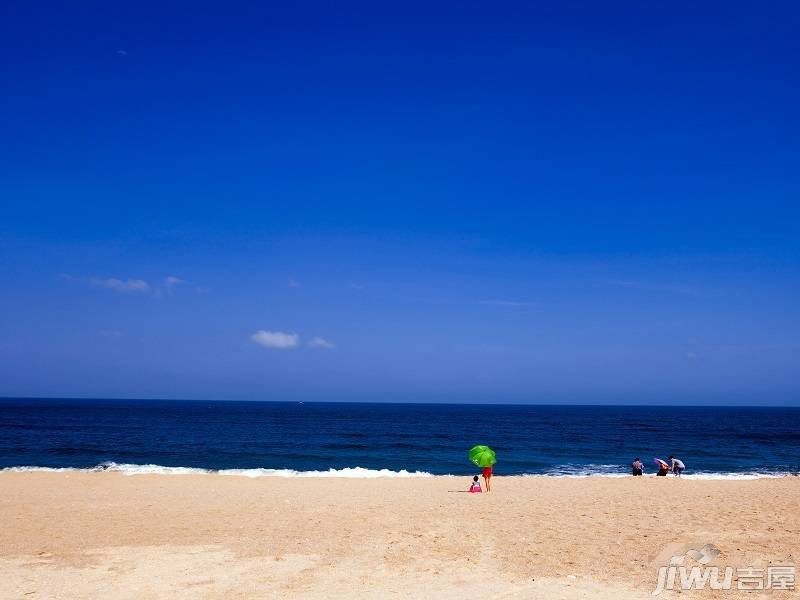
(696, 476)
(347, 472)
(614, 471)
(42, 469)
(753, 475)
(588, 470)
(133, 469)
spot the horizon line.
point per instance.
(394, 402)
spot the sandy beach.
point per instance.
(95, 534)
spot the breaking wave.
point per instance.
(131, 469)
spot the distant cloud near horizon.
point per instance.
(109, 333)
(503, 303)
(320, 342)
(275, 339)
(684, 290)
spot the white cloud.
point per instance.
(320, 342)
(275, 339)
(171, 281)
(293, 283)
(123, 286)
(168, 284)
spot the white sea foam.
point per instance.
(770, 475)
(347, 472)
(588, 470)
(613, 471)
(697, 476)
(132, 469)
(43, 469)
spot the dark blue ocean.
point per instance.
(430, 438)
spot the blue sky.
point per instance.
(533, 202)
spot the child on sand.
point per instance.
(475, 488)
(637, 467)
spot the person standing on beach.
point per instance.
(637, 468)
(676, 466)
(487, 477)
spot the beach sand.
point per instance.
(110, 535)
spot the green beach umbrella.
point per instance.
(483, 456)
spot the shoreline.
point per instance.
(365, 473)
(95, 534)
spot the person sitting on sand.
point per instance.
(637, 468)
(487, 477)
(475, 487)
(677, 466)
(663, 468)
